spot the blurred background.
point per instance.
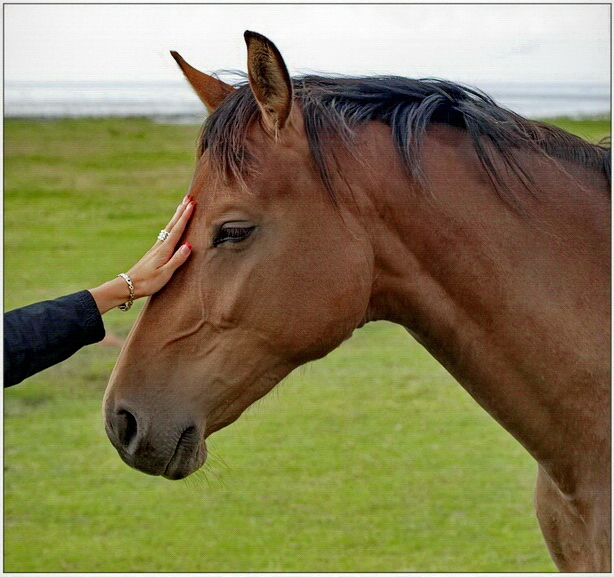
(100, 60)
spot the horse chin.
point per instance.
(171, 462)
(189, 456)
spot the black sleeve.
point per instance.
(43, 334)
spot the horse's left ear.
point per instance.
(269, 80)
(210, 90)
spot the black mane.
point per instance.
(334, 107)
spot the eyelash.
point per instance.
(232, 234)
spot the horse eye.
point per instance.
(232, 232)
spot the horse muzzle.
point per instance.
(173, 450)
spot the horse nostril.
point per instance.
(126, 427)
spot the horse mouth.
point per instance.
(190, 454)
(150, 453)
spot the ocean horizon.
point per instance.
(175, 101)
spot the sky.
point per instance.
(468, 43)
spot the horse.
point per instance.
(324, 203)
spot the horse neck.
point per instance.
(515, 307)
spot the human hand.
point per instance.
(156, 267)
(159, 263)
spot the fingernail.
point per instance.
(186, 199)
(186, 248)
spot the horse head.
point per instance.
(280, 275)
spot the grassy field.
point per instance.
(372, 459)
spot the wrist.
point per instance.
(111, 294)
(127, 305)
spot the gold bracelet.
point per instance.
(126, 306)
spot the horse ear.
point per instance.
(209, 89)
(269, 80)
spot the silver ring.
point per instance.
(163, 234)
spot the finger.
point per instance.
(169, 227)
(179, 226)
(178, 212)
(180, 256)
(162, 250)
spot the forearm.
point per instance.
(43, 334)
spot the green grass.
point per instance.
(372, 459)
(591, 129)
